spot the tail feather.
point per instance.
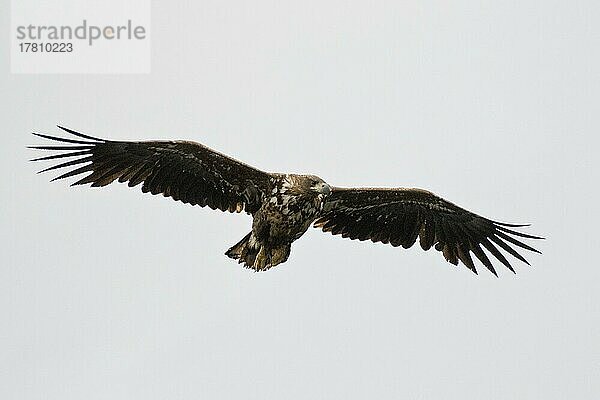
(257, 256)
(243, 251)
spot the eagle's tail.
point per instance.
(244, 251)
(257, 256)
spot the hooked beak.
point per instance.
(323, 188)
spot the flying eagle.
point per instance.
(283, 206)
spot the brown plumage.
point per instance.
(283, 206)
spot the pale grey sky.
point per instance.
(113, 294)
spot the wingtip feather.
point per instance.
(79, 134)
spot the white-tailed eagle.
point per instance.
(283, 206)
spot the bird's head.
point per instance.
(318, 185)
(312, 183)
(322, 188)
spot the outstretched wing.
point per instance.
(399, 216)
(186, 171)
